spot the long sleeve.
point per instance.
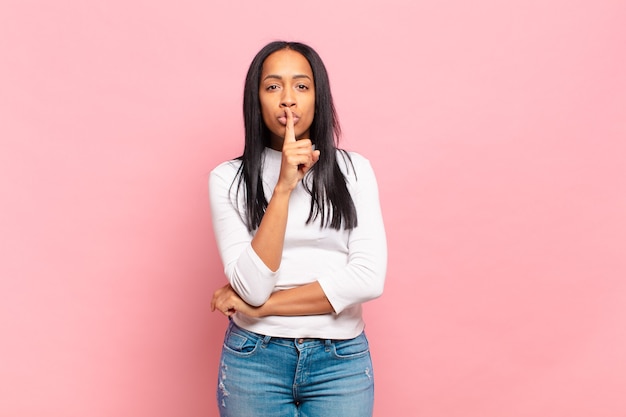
(363, 277)
(245, 271)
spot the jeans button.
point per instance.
(300, 341)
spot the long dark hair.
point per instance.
(330, 198)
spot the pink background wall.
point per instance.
(498, 133)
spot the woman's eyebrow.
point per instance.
(279, 77)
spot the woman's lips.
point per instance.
(283, 120)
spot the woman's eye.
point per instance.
(272, 87)
(302, 87)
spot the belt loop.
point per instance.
(266, 340)
(327, 344)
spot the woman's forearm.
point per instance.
(269, 238)
(306, 300)
(298, 157)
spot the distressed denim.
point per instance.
(263, 376)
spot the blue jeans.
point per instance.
(264, 376)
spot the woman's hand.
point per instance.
(298, 156)
(228, 302)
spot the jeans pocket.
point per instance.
(352, 348)
(240, 343)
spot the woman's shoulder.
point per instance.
(225, 173)
(227, 167)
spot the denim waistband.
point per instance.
(283, 340)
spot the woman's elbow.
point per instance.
(253, 296)
(256, 300)
(376, 290)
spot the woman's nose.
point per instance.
(287, 100)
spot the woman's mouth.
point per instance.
(283, 120)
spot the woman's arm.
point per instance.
(298, 157)
(250, 263)
(306, 300)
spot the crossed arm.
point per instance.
(305, 300)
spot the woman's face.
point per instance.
(287, 82)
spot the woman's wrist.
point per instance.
(282, 189)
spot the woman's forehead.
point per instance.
(286, 62)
